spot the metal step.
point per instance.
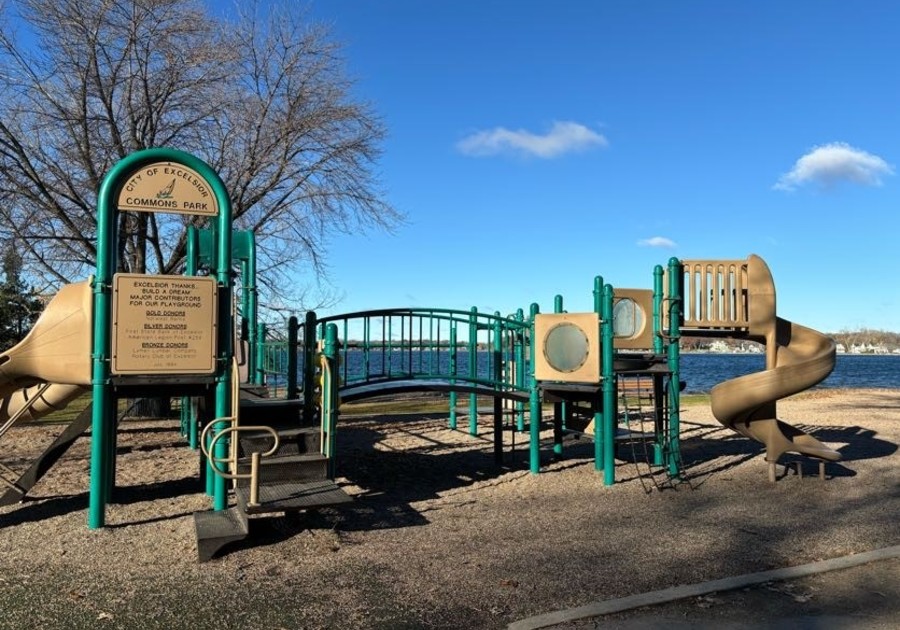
(215, 529)
(295, 441)
(289, 468)
(273, 412)
(292, 496)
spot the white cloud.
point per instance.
(658, 241)
(834, 163)
(563, 137)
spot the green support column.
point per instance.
(608, 375)
(330, 394)
(473, 369)
(673, 455)
(658, 349)
(226, 338)
(520, 370)
(452, 360)
(192, 253)
(255, 376)
(259, 349)
(102, 394)
(498, 387)
(598, 405)
(559, 408)
(309, 367)
(535, 404)
(293, 349)
(250, 357)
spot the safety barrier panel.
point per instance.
(715, 294)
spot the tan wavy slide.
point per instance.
(51, 366)
(797, 358)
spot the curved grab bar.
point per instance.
(231, 460)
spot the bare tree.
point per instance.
(263, 100)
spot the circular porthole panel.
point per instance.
(566, 347)
(628, 318)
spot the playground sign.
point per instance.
(163, 324)
(168, 187)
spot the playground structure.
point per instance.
(599, 370)
(797, 357)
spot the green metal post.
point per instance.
(676, 278)
(520, 370)
(598, 405)
(252, 312)
(559, 408)
(102, 394)
(535, 404)
(498, 388)
(452, 360)
(226, 336)
(325, 409)
(330, 395)
(191, 266)
(259, 349)
(293, 347)
(210, 474)
(473, 369)
(252, 350)
(309, 367)
(657, 309)
(608, 374)
(658, 349)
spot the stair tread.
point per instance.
(219, 523)
(277, 460)
(215, 529)
(288, 432)
(287, 496)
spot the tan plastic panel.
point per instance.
(58, 347)
(641, 336)
(582, 354)
(715, 294)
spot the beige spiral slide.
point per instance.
(797, 358)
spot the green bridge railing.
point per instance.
(471, 353)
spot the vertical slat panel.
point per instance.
(715, 294)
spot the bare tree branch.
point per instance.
(263, 99)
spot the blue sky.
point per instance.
(535, 145)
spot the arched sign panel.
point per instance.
(168, 187)
(164, 324)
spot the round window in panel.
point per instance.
(628, 318)
(566, 347)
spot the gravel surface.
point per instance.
(439, 536)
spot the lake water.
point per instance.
(702, 371)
